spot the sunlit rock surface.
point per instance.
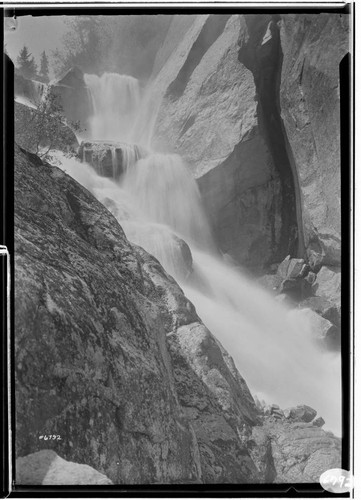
(313, 47)
(295, 452)
(45, 467)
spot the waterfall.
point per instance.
(115, 99)
(157, 203)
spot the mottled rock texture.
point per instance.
(45, 467)
(92, 358)
(296, 452)
(110, 159)
(313, 47)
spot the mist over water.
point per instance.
(157, 203)
(115, 99)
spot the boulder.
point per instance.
(319, 422)
(328, 284)
(300, 413)
(296, 278)
(324, 308)
(45, 467)
(294, 452)
(313, 47)
(323, 331)
(167, 247)
(110, 159)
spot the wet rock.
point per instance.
(324, 308)
(110, 159)
(45, 467)
(296, 279)
(328, 284)
(166, 246)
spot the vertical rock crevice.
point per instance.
(262, 54)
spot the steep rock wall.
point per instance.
(255, 110)
(208, 114)
(93, 364)
(313, 47)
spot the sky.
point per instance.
(37, 33)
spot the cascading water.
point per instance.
(115, 100)
(158, 205)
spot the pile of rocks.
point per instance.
(299, 413)
(318, 294)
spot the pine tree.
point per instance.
(26, 63)
(44, 67)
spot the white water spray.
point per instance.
(115, 100)
(156, 203)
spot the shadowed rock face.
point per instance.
(93, 363)
(75, 98)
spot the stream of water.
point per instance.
(158, 204)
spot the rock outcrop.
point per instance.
(45, 467)
(295, 452)
(110, 159)
(92, 361)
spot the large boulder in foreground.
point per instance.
(92, 358)
(45, 467)
(313, 47)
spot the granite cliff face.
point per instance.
(313, 47)
(111, 357)
(253, 104)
